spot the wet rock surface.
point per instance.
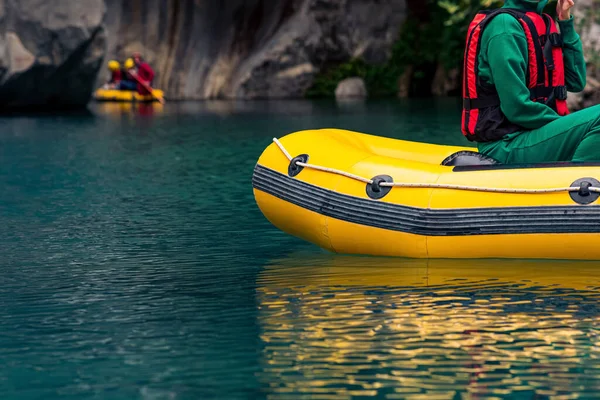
(249, 48)
(53, 53)
(50, 52)
(587, 17)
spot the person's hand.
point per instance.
(563, 9)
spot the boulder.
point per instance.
(249, 49)
(351, 88)
(50, 52)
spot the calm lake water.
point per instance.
(135, 265)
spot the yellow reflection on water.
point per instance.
(120, 109)
(340, 327)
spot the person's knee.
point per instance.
(594, 112)
(590, 115)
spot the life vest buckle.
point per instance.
(560, 92)
(556, 40)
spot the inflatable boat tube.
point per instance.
(126, 96)
(353, 193)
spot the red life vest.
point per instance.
(146, 74)
(116, 76)
(482, 118)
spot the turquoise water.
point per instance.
(135, 265)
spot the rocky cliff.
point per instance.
(587, 14)
(249, 48)
(50, 52)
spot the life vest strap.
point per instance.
(556, 40)
(540, 92)
(560, 92)
(546, 92)
(481, 102)
(551, 42)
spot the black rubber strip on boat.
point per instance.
(428, 222)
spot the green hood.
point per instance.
(526, 5)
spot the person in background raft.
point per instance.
(115, 75)
(128, 82)
(516, 83)
(144, 72)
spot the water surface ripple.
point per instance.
(349, 326)
(134, 264)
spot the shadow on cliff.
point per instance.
(249, 49)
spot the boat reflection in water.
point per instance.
(120, 109)
(337, 327)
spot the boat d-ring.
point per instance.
(375, 191)
(293, 168)
(584, 195)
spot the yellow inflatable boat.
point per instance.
(126, 95)
(354, 193)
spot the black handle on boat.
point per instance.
(584, 188)
(375, 185)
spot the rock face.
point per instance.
(446, 82)
(249, 48)
(587, 14)
(351, 88)
(50, 52)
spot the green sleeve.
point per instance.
(507, 55)
(575, 69)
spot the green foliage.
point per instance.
(456, 16)
(461, 12)
(377, 78)
(381, 80)
(440, 39)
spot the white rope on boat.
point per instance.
(430, 185)
(319, 168)
(278, 143)
(335, 171)
(480, 189)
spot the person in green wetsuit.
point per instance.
(546, 136)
